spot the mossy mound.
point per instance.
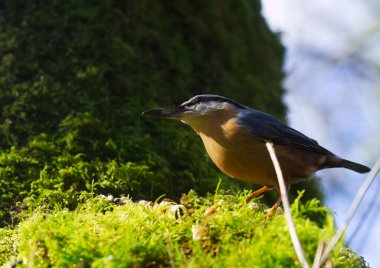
(217, 231)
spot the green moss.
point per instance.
(75, 77)
(101, 234)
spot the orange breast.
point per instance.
(239, 154)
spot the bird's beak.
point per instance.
(172, 113)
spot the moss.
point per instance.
(100, 233)
(75, 77)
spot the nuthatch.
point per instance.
(235, 135)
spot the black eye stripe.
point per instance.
(208, 98)
(191, 102)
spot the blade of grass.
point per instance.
(285, 202)
(217, 189)
(318, 254)
(359, 196)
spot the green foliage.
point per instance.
(75, 77)
(7, 249)
(101, 234)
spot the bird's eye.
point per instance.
(191, 106)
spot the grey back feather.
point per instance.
(267, 127)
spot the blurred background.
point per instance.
(332, 69)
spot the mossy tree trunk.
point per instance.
(75, 76)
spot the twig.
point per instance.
(363, 189)
(285, 202)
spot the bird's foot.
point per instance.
(274, 210)
(270, 212)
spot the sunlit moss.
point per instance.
(100, 233)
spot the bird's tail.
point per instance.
(340, 162)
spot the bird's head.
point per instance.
(199, 109)
(202, 112)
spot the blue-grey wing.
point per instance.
(267, 127)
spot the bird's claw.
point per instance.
(269, 213)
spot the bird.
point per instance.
(235, 137)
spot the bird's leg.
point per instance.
(273, 209)
(257, 193)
